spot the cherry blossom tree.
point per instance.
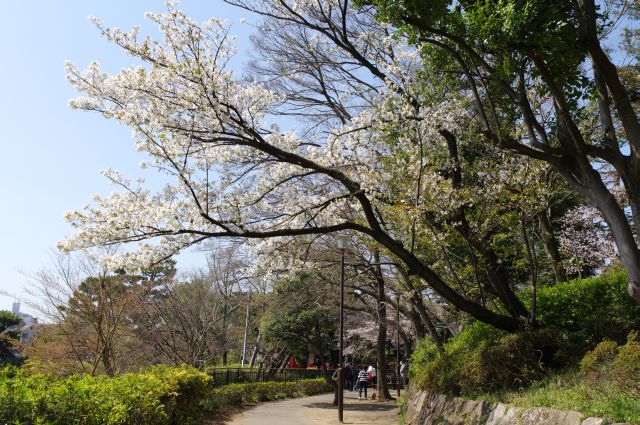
(200, 126)
(382, 158)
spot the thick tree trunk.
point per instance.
(414, 317)
(551, 246)
(382, 387)
(418, 306)
(406, 342)
(107, 360)
(622, 234)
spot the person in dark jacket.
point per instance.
(348, 376)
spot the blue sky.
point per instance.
(52, 155)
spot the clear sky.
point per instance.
(51, 155)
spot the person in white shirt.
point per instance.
(372, 371)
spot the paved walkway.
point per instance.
(319, 410)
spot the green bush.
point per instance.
(593, 363)
(585, 312)
(574, 317)
(481, 358)
(234, 395)
(607, 385)
(626, 366)
(619, 365)
(161, 395)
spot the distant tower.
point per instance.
(16, 308)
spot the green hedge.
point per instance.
(585, 312)
(160, 395)
(574, 317)
(235, 395)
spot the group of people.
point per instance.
(361, 379)
(364, 376)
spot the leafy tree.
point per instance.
(305, 322)
(522, 62)
(8, 339)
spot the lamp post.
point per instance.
(343, 240)
(398, 377)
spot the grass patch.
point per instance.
(570, 390)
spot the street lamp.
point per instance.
(343, 241)
(398, 377)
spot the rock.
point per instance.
(571, 417)
(436, 409)
(596, 421)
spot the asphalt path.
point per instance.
(319, 410)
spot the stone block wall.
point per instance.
(422, 408)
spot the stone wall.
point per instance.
(435, 409)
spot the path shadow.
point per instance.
(355, 407)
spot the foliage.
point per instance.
(7, 319)
(235, 395)
(608, 385)
(161, 395)
(586, 312)
(482, 358)
(300, 320)
(574, 317)
(8, 340)
(386, 168)
(618, 365)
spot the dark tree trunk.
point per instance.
(622, 234)
(382, 387)
(593, 188)
(418, 305)
(533, 269)
(406, 342)
(426, 318)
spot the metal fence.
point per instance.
(226, 376)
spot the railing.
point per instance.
(226, 376)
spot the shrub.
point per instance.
(626, 366)
(161, 395)
(595, 362)
(585, 312)
(481, 358)
(574, 316)
(235, 395)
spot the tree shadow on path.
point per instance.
(355, 407)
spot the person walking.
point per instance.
(403, 374)
(372, 372)
(363, 382)
(348, 375)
